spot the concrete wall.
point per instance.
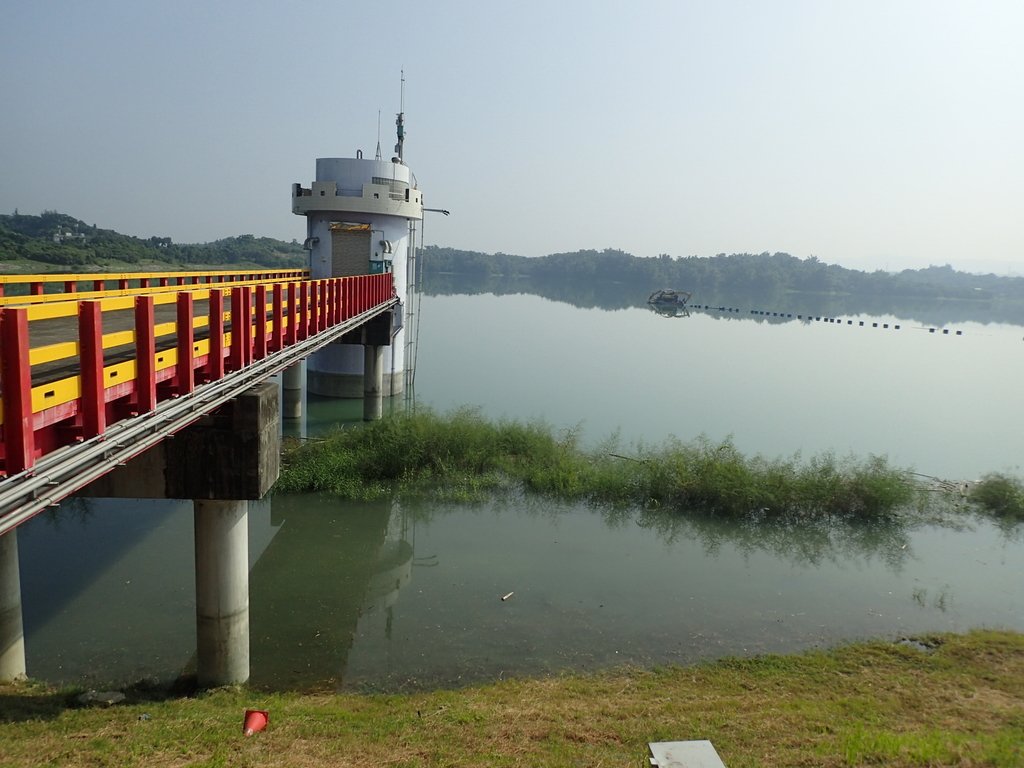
(234, 453)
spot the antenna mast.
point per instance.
(378, 134)
(400, 122)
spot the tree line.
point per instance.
(63, 241)
(767, 274)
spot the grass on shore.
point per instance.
(463, 456)
(959, 704)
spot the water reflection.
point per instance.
(777, 388)
(406, 595)
(392, 595)
(389, 596)
(108, 590)
(610, 295)
(668, 310)
(799, 540)
(309, 588)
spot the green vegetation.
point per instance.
(56, 241)
(734, 273)
(609, 278)
(463, 455)
(613, 279)
(959, 703)
(1002, 496)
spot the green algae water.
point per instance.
(388, 596)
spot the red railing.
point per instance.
(168, 361)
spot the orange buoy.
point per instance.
(255, 720)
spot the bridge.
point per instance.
(97, 371)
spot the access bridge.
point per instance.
(97, 371)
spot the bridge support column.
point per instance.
(292, 385)
(12, 634)
(373, 382)
(222, 591)
(231, 454)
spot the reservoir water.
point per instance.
(390, 596)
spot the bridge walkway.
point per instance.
(93, 378)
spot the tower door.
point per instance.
(350, 249)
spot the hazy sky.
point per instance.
(870, 133)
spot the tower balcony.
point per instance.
(388, 198)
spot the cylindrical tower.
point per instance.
(360, 219)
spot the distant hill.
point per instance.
(55, 241)
(763, 274)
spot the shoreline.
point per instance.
(955, 700)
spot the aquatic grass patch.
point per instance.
(1000, 495)
(459, 457)
(463, 455)
(708, 476)
(875, 703)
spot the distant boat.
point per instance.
(668, 298)
(669, 303)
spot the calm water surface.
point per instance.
(947, 405)
(392, 596)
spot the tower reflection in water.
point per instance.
(333, 572)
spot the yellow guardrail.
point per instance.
(56, 287)
(37, 419)
(68, 389)
(49, 306)
(85, 277)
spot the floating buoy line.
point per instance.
(820, 319)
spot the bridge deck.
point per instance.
(65, 329)
(77, 369)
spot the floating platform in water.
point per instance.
(669, 303)
(667, 297)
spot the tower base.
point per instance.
(350, 385)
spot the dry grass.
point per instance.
(868, 704)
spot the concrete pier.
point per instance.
(12, 633)
(222, 591)
(220, 461)
(373, 382)
(291, 392)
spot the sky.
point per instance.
(876, 134)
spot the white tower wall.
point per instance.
(384, 196)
